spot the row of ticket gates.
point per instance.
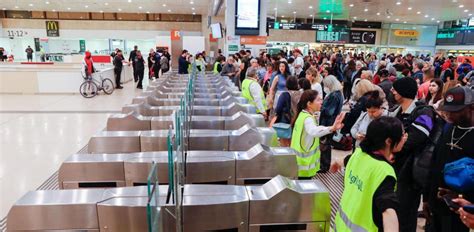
(236, 180)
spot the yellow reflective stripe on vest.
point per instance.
(307, 154)
(308, 167)
(352, 226)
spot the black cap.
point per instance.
(457, 98)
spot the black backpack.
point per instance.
(423, 160)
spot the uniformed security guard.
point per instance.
(253, 92)
(369, 200)
(306, 133)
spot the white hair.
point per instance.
(332, 83)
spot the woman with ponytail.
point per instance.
(306, 133)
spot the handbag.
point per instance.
(283, 130)
(459, 175)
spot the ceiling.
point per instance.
(395, 11)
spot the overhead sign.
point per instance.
(331, 36)
(52, 28)
(406, 33)
(256, 40)
(362, 37)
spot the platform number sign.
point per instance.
(52, 28)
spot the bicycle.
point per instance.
(90, 87)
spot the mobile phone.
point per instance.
(469, 208)
(451, 204)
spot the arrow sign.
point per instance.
(362, 37)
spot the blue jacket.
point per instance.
(332, 106)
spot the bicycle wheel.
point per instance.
(88, 89)
(108, 86)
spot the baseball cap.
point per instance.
(457, 98)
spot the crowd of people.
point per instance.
(409, 121)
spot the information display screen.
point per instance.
(247, 21)
(216, 30)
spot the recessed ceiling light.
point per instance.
(282, 16)
(366, 9)
(432, 19)
(461, 6)
(69, 8)
(399, 3)
(101, 11)
(164, 5)
(355, 17)
(404, 21)
(47, 3)
(119, 9)
(193, 8)
(106, 3)
(86, 6)
(328, 11)
(365, 20)
(388, 16)
(438, 21)
(129, 0)
(31, 4)
(140, 7)
(409, 8)
(310, 15)
(351, 5)
(54, 10)
(426, 16)
(191, 2)
(194, 13)
(148, 12)
(4, 8)
(289, 2)
(378, 13)
(470, 14)
(466, 10)
(294, 12)
(325, 18)
(397, 20)
(16, 7)
(275, 8)
(169, 10)
(419, 12)
(310, 7)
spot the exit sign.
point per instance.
(276, 25)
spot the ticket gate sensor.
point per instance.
(229, 110)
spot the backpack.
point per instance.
(423, 161)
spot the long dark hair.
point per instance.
(307, 96)
(379, 130)
(287, 69)
(439, 94)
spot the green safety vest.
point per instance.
(307, 160)
(247, 95)
(215, 68)
(363, 176)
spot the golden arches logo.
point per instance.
(52, 25)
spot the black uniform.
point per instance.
(133, 55)
(118, 65)
(139, 67)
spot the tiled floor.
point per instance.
(37, 132)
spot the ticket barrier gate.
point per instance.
(279, 205)
(156, 140)
(255, 166)
(229, 110)
(154, 101)
(134, 122)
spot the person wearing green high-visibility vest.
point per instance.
(306, 133)
(220, 61)
(369, 201)
(253, 92)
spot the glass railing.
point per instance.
(153, 204)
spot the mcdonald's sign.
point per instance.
(52, 28)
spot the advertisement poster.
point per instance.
(247, 15)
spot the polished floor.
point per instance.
(39, 131)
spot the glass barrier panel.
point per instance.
(153, 206)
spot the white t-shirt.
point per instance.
(316, 86)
